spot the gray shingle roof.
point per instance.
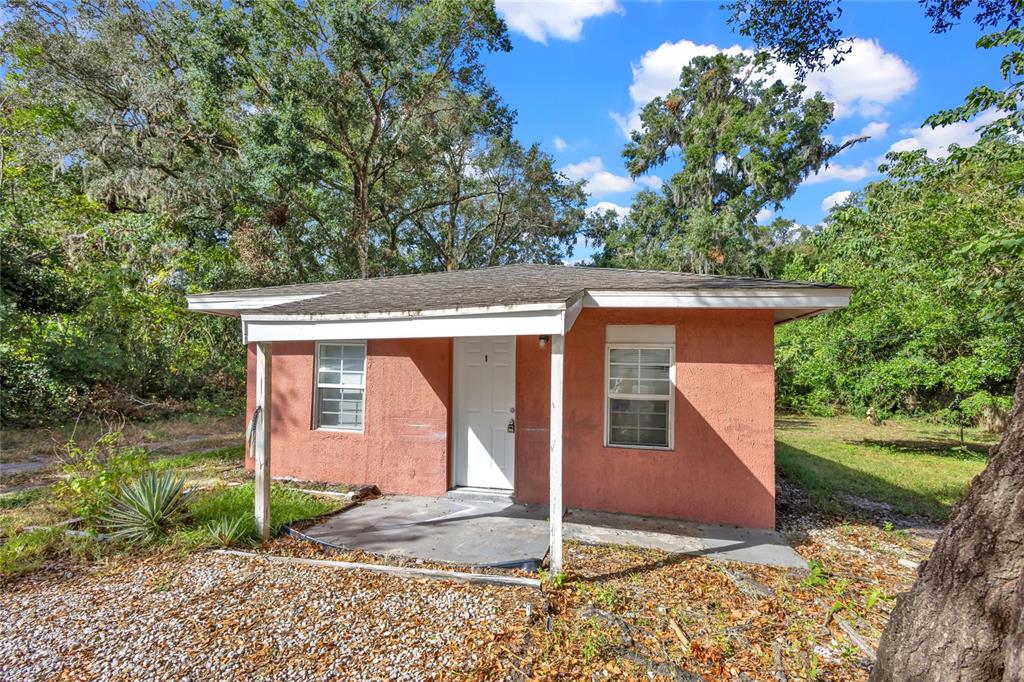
(493, 286)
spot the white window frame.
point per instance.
(670, 399)
(317, 386)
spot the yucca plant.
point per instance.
(145, 510)
(228, 532)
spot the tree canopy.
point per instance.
(156, 149)
(930, 325)
(745, 141)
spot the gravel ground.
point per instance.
(208, 617)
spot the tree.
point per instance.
(347, 94)
(503, 203)
(803, 35)
(745, 143)
(927, 325)
(107, 80)
(962, 619)
(148, 150)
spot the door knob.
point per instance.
(511, 425)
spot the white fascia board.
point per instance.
(573, 311)
(408, 314)
(232, 305)
(720, 298)
(537, 322)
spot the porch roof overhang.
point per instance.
(502, 301)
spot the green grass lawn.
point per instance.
(917, 467)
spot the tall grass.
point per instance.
(236, 505)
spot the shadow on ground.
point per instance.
(939, 448)
(819, 493)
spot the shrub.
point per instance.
(93, 475)
(228, 532)
(987, 411)
(145, 510)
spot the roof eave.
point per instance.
(231, 305)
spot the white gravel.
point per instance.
(208, 617)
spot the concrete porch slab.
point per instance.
(488, 530)
(729, 543)
(474, 531)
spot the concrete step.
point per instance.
(468, 494)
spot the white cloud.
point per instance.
(873, 129)
(583, 169)
(602, 207)
(652, 181)
(834, 199)
(601, 181)
(936, 141)
(863, 83)
(560, 144)
(764, 214)
(838, 171)
(539, 21)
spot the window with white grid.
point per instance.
(340, 385)
(639, 395)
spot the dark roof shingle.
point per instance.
(493, 286)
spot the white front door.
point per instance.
(485, 404)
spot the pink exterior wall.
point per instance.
(722, 468)
(404, 445)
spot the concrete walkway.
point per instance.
(728, 543)
(491, 531)
(471, 531)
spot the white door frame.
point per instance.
(457, 406)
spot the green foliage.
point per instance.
(805, 38)
(876, 595)
(817, 575)
(746, 141)
(24, 552)
(982, 405)
(20, 498)
(238, 502)
(228, 456)
(554, 580)
(814, 42)
(228, 532)
(92, 476)
(227, 145)
(931, 321)
(148, 509)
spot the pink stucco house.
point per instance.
(641, 392)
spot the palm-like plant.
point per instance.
(146, 509)
(228, 532)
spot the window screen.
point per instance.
(341, 385)
(639, 396)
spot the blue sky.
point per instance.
(579, 71)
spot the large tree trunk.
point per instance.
(962, 620)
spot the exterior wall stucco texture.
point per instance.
(404, 445)
(722, 466)
(720, 470)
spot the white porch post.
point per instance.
(261, 443)
(555, 462)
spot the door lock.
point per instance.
(511, 425)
